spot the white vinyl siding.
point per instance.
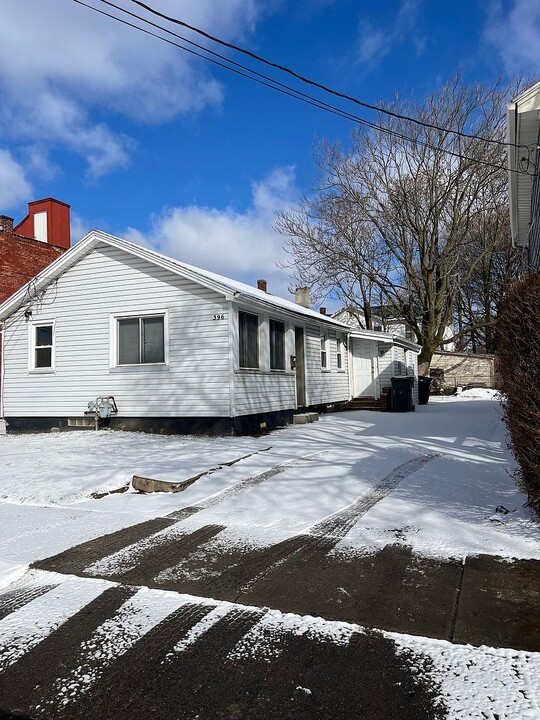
(400, 367)
(265, 389)
(324, 386)
(386, 365)
(196, 381)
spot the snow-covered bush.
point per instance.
(518, 357)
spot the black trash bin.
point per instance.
(402, 397)
(424, 384)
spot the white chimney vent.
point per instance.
(301, 297)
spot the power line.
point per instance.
(273, 84)
(314, 83)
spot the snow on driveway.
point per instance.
(445, 508)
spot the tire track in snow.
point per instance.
(12, 600)
(129, 559)
(229, 573)
(246, 484)
(339, 524)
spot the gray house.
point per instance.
(523, 125)
(179, 348)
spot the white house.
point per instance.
(523, 129)
(376, 356)
(179, 348)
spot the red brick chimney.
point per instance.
(262, 285)
(47, 222)
(33, 244)
(322, 311)
(6, 225)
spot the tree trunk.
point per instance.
(424, 360)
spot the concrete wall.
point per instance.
(464, 369)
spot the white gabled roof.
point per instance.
(523, 126)
(221, 284)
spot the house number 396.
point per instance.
(219, 316)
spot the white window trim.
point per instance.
(326, 350)
(113, 334)
(285, 331)
(32, 325)
(262, 357)
(340, 344)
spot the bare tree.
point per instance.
(478, 300)
(393, 216)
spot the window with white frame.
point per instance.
(324, 351)
(140, 340)
(248, 340)
(339, 352)
(42, 346)
(277, 345)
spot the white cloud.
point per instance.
(14, 187)
(515, 32)
(241, 245)
(374, 43)
(60, 63)
(79, 227)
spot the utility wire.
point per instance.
(269, 82)
(314, 83)
(272, 84)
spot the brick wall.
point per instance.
(20, 260)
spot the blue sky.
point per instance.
(149, 143)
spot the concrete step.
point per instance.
(303, 418)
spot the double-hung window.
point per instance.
(339, 352)
(42, 346)
(141, 340)
(248, 336)
(277, 345)
(324, 352)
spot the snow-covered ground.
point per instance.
(456, 470)
(444, 509)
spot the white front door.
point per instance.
(364, 356)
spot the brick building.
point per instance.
(27, 248)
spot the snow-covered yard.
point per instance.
(455, 471)
(446, 508)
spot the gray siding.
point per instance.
(196, 381)
(534, 237)
(324, 386)
(258, 392)
(386, 365)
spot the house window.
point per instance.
(248, 333)
(42, 346)
(141, 340)
(324, 352)
(277, 345)
(339, 352)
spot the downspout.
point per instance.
(350, 366)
